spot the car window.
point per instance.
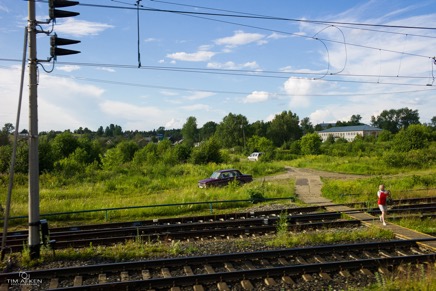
(215, 175)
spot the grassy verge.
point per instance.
(412, 278)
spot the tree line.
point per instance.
(403, 142)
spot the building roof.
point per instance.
(363, 127)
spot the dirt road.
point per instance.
(308, 183)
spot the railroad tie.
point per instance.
(416, 251)
(222, 286)
(301, 260)
(366, 272)
(198, 288)
(353, 256)
(246, 285)
(344, 273)
(229, 267)
(401, 253)
(209, 269)
(249, 265)
(283, 261)
(319, 259)
(368, 255)
(337, 257)
(270, 282)
(288, 280)
(188, 271)
(325, 276)
(124, 276)
(175, 289)
(145, 274)
(78, 281)
(384, 254)
(307, 277)
(384, 271)
(266, 263)
(166, 273)
(4, 287)
(54, 283)
(102, 278)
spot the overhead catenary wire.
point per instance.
(254, 16)
(114, 82)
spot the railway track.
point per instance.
(275, 269)
(212, 226)
(206, 227)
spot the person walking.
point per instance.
(382, 195)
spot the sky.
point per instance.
(158, 65)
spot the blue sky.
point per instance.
(208, 66)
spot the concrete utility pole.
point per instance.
(34, 222)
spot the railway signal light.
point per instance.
(56, 13)
(57, 41)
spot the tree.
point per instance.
(306, 125)
(393, 120)
(354, 120)
(311, 144)
(284, 127)
(64, 144)
(4, 134)
(258, 128)
(260, 144)
(230, 132)
(207, 152)
(208, 130)
(414, 137)
(190, 131)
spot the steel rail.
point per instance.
(199, 260)
(157, 234)
(238, 275)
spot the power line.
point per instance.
(233, 92)
(246, 73)
(254, 16)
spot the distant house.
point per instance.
(349, 132)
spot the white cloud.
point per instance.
(77, 27)
(276, 35)
(199, 95)
(68, 68)
(200, 56)
(241, 38)
(233, 66)
(174, 123)
(321, 116)
(256, 97)
(196, 107)
(129, 111)
(151, 39)
(106, 69)
(298, 89)
(59, 88)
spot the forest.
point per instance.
(110, 167)
(403, 142)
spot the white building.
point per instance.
(349, 132)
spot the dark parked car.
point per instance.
(224, 177)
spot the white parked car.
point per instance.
(254, 156)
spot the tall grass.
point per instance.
(145, 186)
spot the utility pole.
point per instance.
(34, 222)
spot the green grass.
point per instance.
(327, 236)
(427, 225)
(144, 187)
(413, 278)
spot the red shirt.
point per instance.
(382, 195)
